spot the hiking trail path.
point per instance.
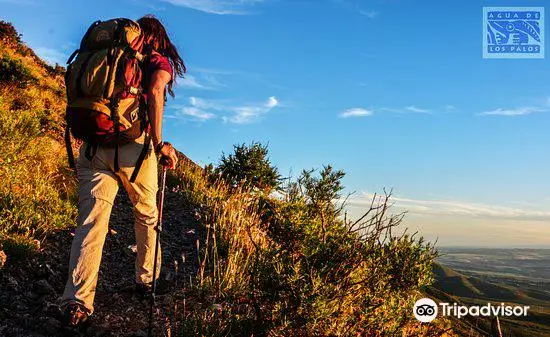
(30, 290)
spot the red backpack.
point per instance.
(105, 105)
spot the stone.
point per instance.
(42, 287)
(49, 325)
(13, 284)
(139, 333)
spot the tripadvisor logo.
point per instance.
(425, 310)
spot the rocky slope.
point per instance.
(30, 290)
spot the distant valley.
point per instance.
(512, 276)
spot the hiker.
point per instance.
(101, 168)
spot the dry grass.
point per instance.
(37, 190)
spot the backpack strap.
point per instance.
(70, 155)
(141, 158)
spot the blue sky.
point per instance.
(396, 93)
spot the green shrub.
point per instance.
(290, 266)
(8, 33)
(12, 71)
(249, 166)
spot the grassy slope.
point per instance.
(473, 290)
(36, 191)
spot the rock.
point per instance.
(49, 325)
(12, 284)
(42, 287)
(3, 258)
(139, 333)
(32, 295)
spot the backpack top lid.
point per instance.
(114, 32)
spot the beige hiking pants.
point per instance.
(98, 186)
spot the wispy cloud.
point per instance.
(197, 114)
(190, 82)
(414, 109)
(249, 113)
(513, 112)
(200, 109)
(355, 112)
(452, 207)
(217, 77)
(213, 80)
(407, 109)
(369, 14)
(220, 7)
(52, 55)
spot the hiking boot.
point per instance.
(145, 289)
(75, 315)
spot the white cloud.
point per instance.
(220, 7)
(52, 55)
(197, 113)
(213, 80)
(355, 112)
(412, 108)
(452, 207)
(249, 113)
(512, 112)
(201, 109)
(190, 82)
(369, 14)
(407, 109)
(206, 104)
(272, 102)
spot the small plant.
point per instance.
(249, 166)
(12, 71)
(8, 33)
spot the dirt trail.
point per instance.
(30, 291)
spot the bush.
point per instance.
(12, 71)
(249, 166)
(290, 266)
(8, 33)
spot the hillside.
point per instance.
(237, 259)
(452, 286)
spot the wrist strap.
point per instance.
(158, 147)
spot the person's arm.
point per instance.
(155, 101)
(155, 98)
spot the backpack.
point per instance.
(105, 105)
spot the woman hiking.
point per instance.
(101, 168)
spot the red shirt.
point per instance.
(156, 62)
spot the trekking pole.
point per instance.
(158, 229)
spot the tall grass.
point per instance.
(36, 189)
(269, 268)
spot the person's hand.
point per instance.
(167, 153)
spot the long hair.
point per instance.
(161, 43)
